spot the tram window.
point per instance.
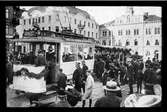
(69, 53)
(88, 52)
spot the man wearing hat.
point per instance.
(149, 80)
(88, 88)
(77, 75)
(40, 60)
(84, 76)
(130, 72)
(111, 99)
(50, 57)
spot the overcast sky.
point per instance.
(103, 14)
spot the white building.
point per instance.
(141, 33)
(58, 18)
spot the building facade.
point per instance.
(57, 19)
(140, 33)
(12, 14)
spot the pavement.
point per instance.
(14, 100)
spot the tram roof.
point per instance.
(52, 40)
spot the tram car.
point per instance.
(68, 49)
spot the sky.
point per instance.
(104, 14)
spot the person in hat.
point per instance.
(130, 76)
(88, 88)
(149, 80)
(51, 62)
(61, 80)
(111, 99)
(40, 60)
(84, 76)
(77, 76)
(62, 100)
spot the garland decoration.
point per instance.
(25, 72)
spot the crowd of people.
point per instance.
(112, 67)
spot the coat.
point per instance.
(108, 101)
(77, 78)
(61, 80)
(88, 87)
(40, 60)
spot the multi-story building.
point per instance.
(141, 33)
(57, 19)
(105, 36)
(13, 13)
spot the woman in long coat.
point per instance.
(88, 89)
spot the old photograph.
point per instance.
(83, 56)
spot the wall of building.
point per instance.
(91, 27)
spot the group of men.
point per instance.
(41, 59)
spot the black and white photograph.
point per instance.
(83, 56)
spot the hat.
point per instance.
(111, 86)
(142, 101)
(148, 101)
(39, 51)
(157, 89)
(50, 48)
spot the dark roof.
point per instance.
(152, 18)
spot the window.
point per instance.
(92, 34)
(57, 29)
(49, 18)
(65, 18)
(7, 13)
(149, 30)
(43, 19)
(148, 42)
(49, 28)
(75, 30)
(119, 32)
(127, 43)
(88, 33)
(84, 22)
(156, 42)
(7, 29)
(135, 42)
(80, 22)
(88, 24)
(127, 32)
(104, 33)
(109, 33)
(75, 21)
(24, 22)
(109, 42)
(92, 25)
(96, 26)
(157, 31)
(57, 17)
(84, 33)
(39, 19)
(33, 20)
(43, 28)
(96, 35)
(104, 42)
(29, 21)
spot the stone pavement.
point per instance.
(14, 100)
